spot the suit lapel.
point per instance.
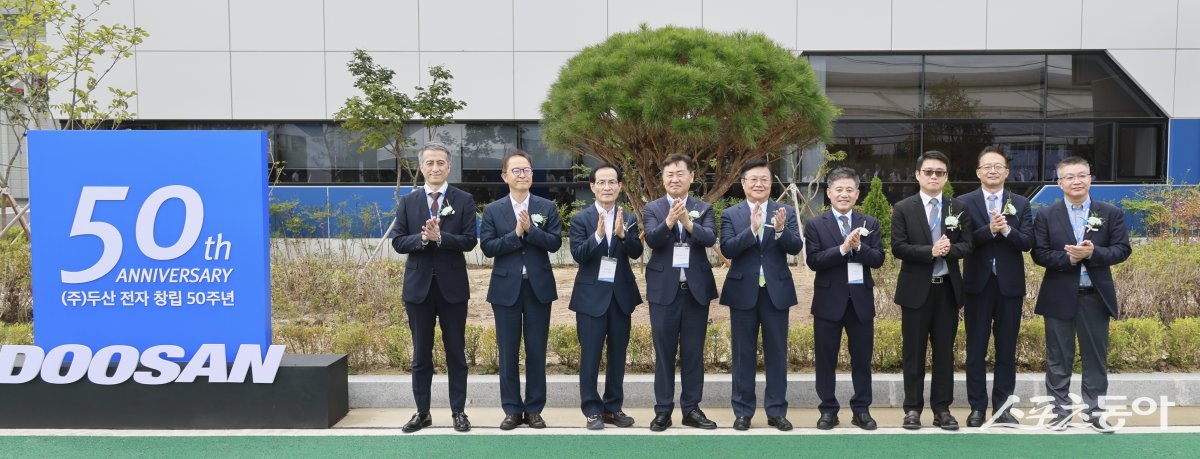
(919, 210)
(424, 202)
(833, 225)
(980, 204)
(1062, 214)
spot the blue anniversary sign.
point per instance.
(147, 238)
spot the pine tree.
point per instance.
(876, 205)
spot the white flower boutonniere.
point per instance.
(1009, 208)
(952, 219)
(863, 231)
(447, 211)
(1094, 222)
(694, 214)
(538, 219)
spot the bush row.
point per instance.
(1134, 345)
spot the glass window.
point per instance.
(962, 142)
(1089, 86)
(1091, 141)
(485, 145)
(871, 87)
(1138, 151)
(884, 150)
(989, 86)
(543, 156)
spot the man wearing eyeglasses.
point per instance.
(1078, 240)
(757, 236)
(435, 225)
(519, 232)
(604, 238)
(930, 233)
(994, 278)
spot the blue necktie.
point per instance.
(1079, 225)
(992, 208)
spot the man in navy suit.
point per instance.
(757, 236)
(519, 232)
(930, 233)
(604, 238)
(1078, 240)
(994, 277)
(435, 225)
(679, 287)
(843, 295)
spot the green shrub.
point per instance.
(564, 343)
(304, 339)
(717, 353)
(357, 342)
(1183, 343)
(16, 294)
(888, 353)
(398, 345)
(1136, 344)
(1031, 344)
(1152, 284)
(16, 333)
(800, 346)
(641, 349)
(876, 205)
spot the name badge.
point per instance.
(854, 272)
(681, 256)
(608, 269)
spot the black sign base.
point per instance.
(309, 392)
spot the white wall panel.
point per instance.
(1034, 24)
(774, 18)
(184, 85)
(556, 25)
(372, 25)
(483, 80)
(466, 25)
(1122, 24)
(115, 12)
(1187, 84)
(1187, 25)
(123, 76)
(938, 24)
(279, 86)
(194, 25)
(276, 25)
(628, 15)
(844, 26)
(535, 72)
(339, 83)
(1153, 71)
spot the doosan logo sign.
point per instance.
(209, 362)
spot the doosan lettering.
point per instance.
(209, 362)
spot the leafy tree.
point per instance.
(378, 117)
(722, 99)
(876, 205)
(52, 47)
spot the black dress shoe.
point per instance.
(419, 421)
(1060, 422)
(1006, 419)
(741, 423)
(511, 421)
(535, 420)
(864, 421)
(1099, 424)
(461, 423)
(780, 422)
(661, 422)
(912, 420)
(945, 420)
(697, 419)
(594, 422)
(827, 421)
(619, 419)
(976, 419)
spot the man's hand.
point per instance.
(523, 223)
(600, 233)
(1080, 252)
(432, 230)
(619, 224)
(853, 241)
(781, 220)
(756, 221)
(676, 214)
(941, 247)
(998, 224)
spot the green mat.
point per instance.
(567, 446)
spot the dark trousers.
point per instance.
(744, 327)
(827, 340)
(530, 318)
(680, 326)
(1091, 326)
(991, 314)
(593, 332)
(452, 317)
(934, 323)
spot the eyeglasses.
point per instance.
(1072, 178)
(607, 183)
(939, 173)
(993, 167)
(519, 170)
(843, 190)
(757, 180)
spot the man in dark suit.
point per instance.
(435, 225)
(757, 236)
(604, 238)
(679, 287)
(519, 232)
(930, 233)
(994, 277)
(1078, 240)
(843, 295)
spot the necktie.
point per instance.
(935, 231)
(434, 211)
(1079, 225)
(762, 279)
(992, 208)
(845, 225)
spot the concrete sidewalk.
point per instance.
(483, 391)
